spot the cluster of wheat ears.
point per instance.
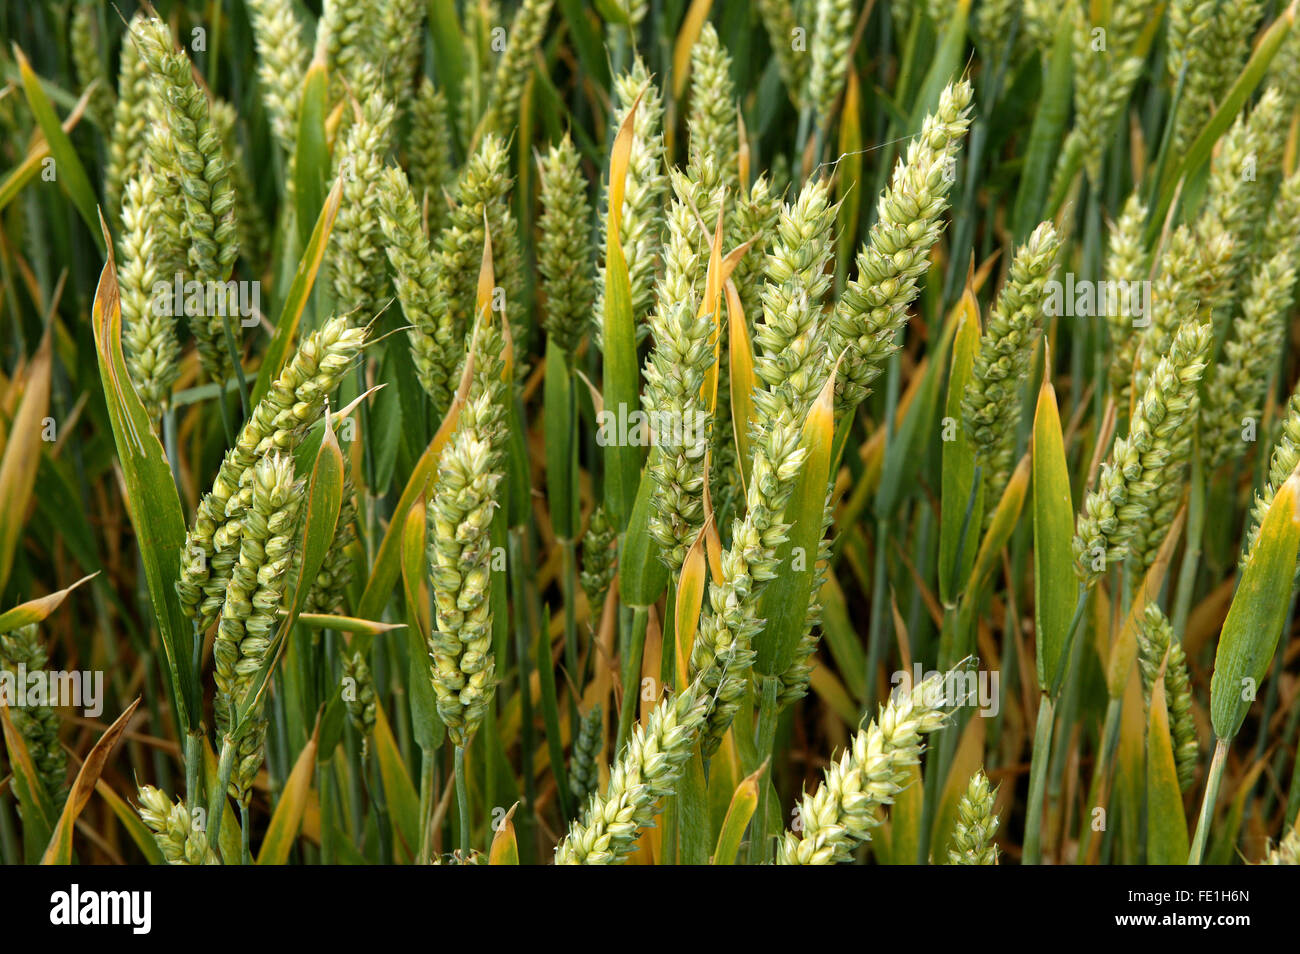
(806, 433)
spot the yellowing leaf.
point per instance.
(1250, 633)
(1055, 588)
(59, 851)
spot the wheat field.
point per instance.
(806, 432)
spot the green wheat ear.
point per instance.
(282, 64)
(1127, 489)
(646, 772)
(181, 841)
(598, 561)
(463, 502)
(976, 825)
(564, 246)
(848, 806)
(37, 724)
(1160, 656)
(991, 403)
(873, 309)
(641, 235)
(190, 148)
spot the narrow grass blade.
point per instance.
(33, 611)
(961, 513)
(1045, 134)
(69, 172)
(1167, 841)
(505, 848)
(784, 602)
(1054, 580)
(25, 783)
(622, 371)
(287, 818)
(1250, 633)
(23, 449)
(153, 504)
(59, 851)
(403, 802)
(744, 801)
(312, 153)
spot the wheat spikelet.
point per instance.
(295, 401)
(641, 232)
(249, 615)
(1127, 261)
(481, 191)
(598, 561)
(1125, 493)
(416, 278)
(180, 838)
(682, 355)
(647, 770)
(204, 179)
(832, 34)
(873, 308)
(430, 153)
(148, 337)
(462, 505)
(976, 825)
(89, 66)
(564, 251)
(355, 243)
(37, 723)
(991, 402)
(525, 35)
(128, 143)
(282, 64)
(1160, 655)
(584, 761)
(847, 807)
(1239, 379)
